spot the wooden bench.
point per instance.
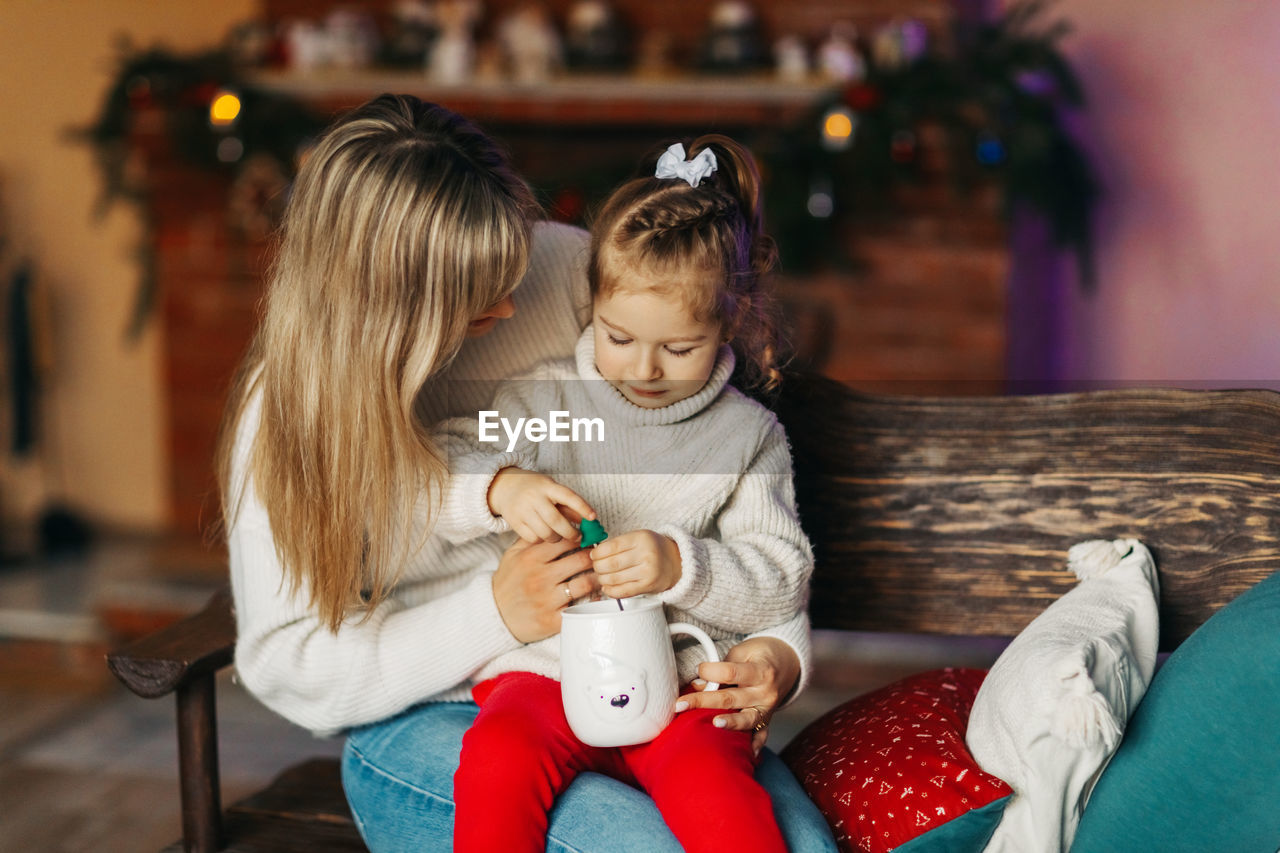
(947, 516)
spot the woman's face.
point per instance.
(484, 322)
(651, 348)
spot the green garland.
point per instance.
(182, 89)
(1003, 101)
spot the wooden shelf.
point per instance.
(574, 100)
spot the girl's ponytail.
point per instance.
(756, 327)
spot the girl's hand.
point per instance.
(755, 676)
(535, 505)
(637, 562)
(534, 583)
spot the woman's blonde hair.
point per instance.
(405, 222)
(666, 228)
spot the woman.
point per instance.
(406, 235)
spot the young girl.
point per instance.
(694, 477)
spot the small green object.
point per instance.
(592, 532)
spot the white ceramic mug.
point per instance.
(618, 670)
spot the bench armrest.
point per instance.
(161, 662)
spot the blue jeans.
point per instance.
(398, 777)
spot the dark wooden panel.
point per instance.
(954, 515)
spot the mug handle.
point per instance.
(701, 636)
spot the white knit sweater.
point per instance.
(439, 628)
(711, 471)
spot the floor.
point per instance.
(87, 766)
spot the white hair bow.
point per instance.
(673, 165)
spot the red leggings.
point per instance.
(520, 754)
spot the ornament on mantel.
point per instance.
(839, 57)
(353, 39)
(531, 45)
(409, 36)
(655, 56)
(734, 39)
(453, 55)
(899, 43)
(249, 44)
(596, 38)
(347, 40)
(306, 46)
(791, 58)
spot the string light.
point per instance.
(990, 150)
(224, 109)
(837, 129)
(230, 149)
(902, 146)
(821, 203)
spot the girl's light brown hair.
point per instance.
(404, 223)
(708, 240)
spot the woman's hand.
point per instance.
(755, 676)
(636, 562)
(534, 582)
(534, 505)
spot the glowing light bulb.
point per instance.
(837, 129)
(224, 109)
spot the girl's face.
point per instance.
(651, 348)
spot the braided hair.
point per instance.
(708, 241)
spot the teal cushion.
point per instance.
(970, 831)
(1199, 766)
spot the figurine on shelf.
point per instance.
(791, 58)
(899, 43)
(410, 35)
(734, 38)
(531, 44)
(306, 45)
(353, 38)
(596, 37)
(839, 57)
(655, 56)
(453, 55)
(248, 44)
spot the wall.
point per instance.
(103, 397)
(1184, 122)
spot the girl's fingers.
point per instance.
(556, 523)
(570, 499)
(613, 547)
(542, 530)
(622, 590)
(611, 565)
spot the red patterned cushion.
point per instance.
(892, 765)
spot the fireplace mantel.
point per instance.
(918, 304)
